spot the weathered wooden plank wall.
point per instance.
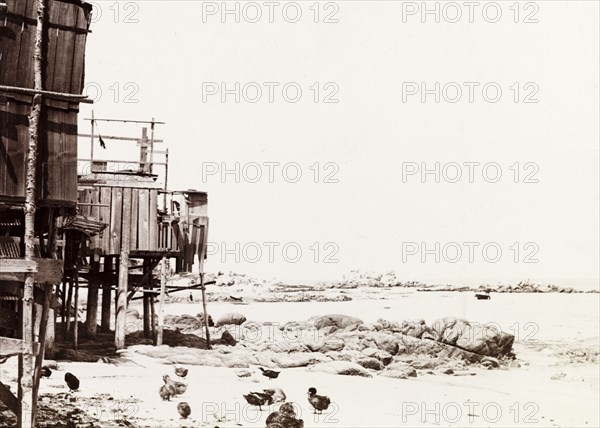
(68, 23)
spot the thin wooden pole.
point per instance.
(166, 179)
(161, 311)
(202, 287)
(42, 340)
(151, 145)
(25, 416)
(76, 310)
(123, 272)
(92, 143)
(69, 304)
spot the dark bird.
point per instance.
(263, 395)
(175, 388)
(181, 372)
(72, 381)
(277, 394)
(285, 417)
(101, 141)
(45, 372)
(165, 393)
(271, 374)
(184, 409)
(255, 400)
(319, 402)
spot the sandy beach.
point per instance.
(556, 368)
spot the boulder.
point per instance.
(490, 362)
(243, 373)
(185, 323)
(415, 328)
(476, 338)
(344, 355)
(370, 363)
(328, 345)
(342, 368)
(227, 339)
(382, 341)
(234, 361)
(286, 347)
(399, 370)
(385, 357)
(230, 319)
(301, 359)
(335, 320)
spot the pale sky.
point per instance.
(371, 217)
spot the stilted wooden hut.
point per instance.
(145, 224)
(106, 229)
(42, 46)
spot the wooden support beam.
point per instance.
(106, 296)
(68, 308)
(145, 278)
(91, 322)
(40, 353)
(161, 311)
(17, 266)
(63, 315)
(146, 306)
(123, 272)
(11, 347)
(201, 257)
(76, 310)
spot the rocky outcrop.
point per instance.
(477, 338)
(343, 345)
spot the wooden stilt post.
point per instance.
(201, 256)
(50, 334)
(146, 300)
(68, 308)
(161, 313)
(63, 315)
(76, 310)
(25, 416)
(123, 272)
(202, 287)
(42, 339)
(151, 300)
(106, 296)
(91, 322)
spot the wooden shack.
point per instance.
(146, 224)
(41, 79)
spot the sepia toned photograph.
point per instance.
(298, 214)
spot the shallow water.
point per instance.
(529, 316)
